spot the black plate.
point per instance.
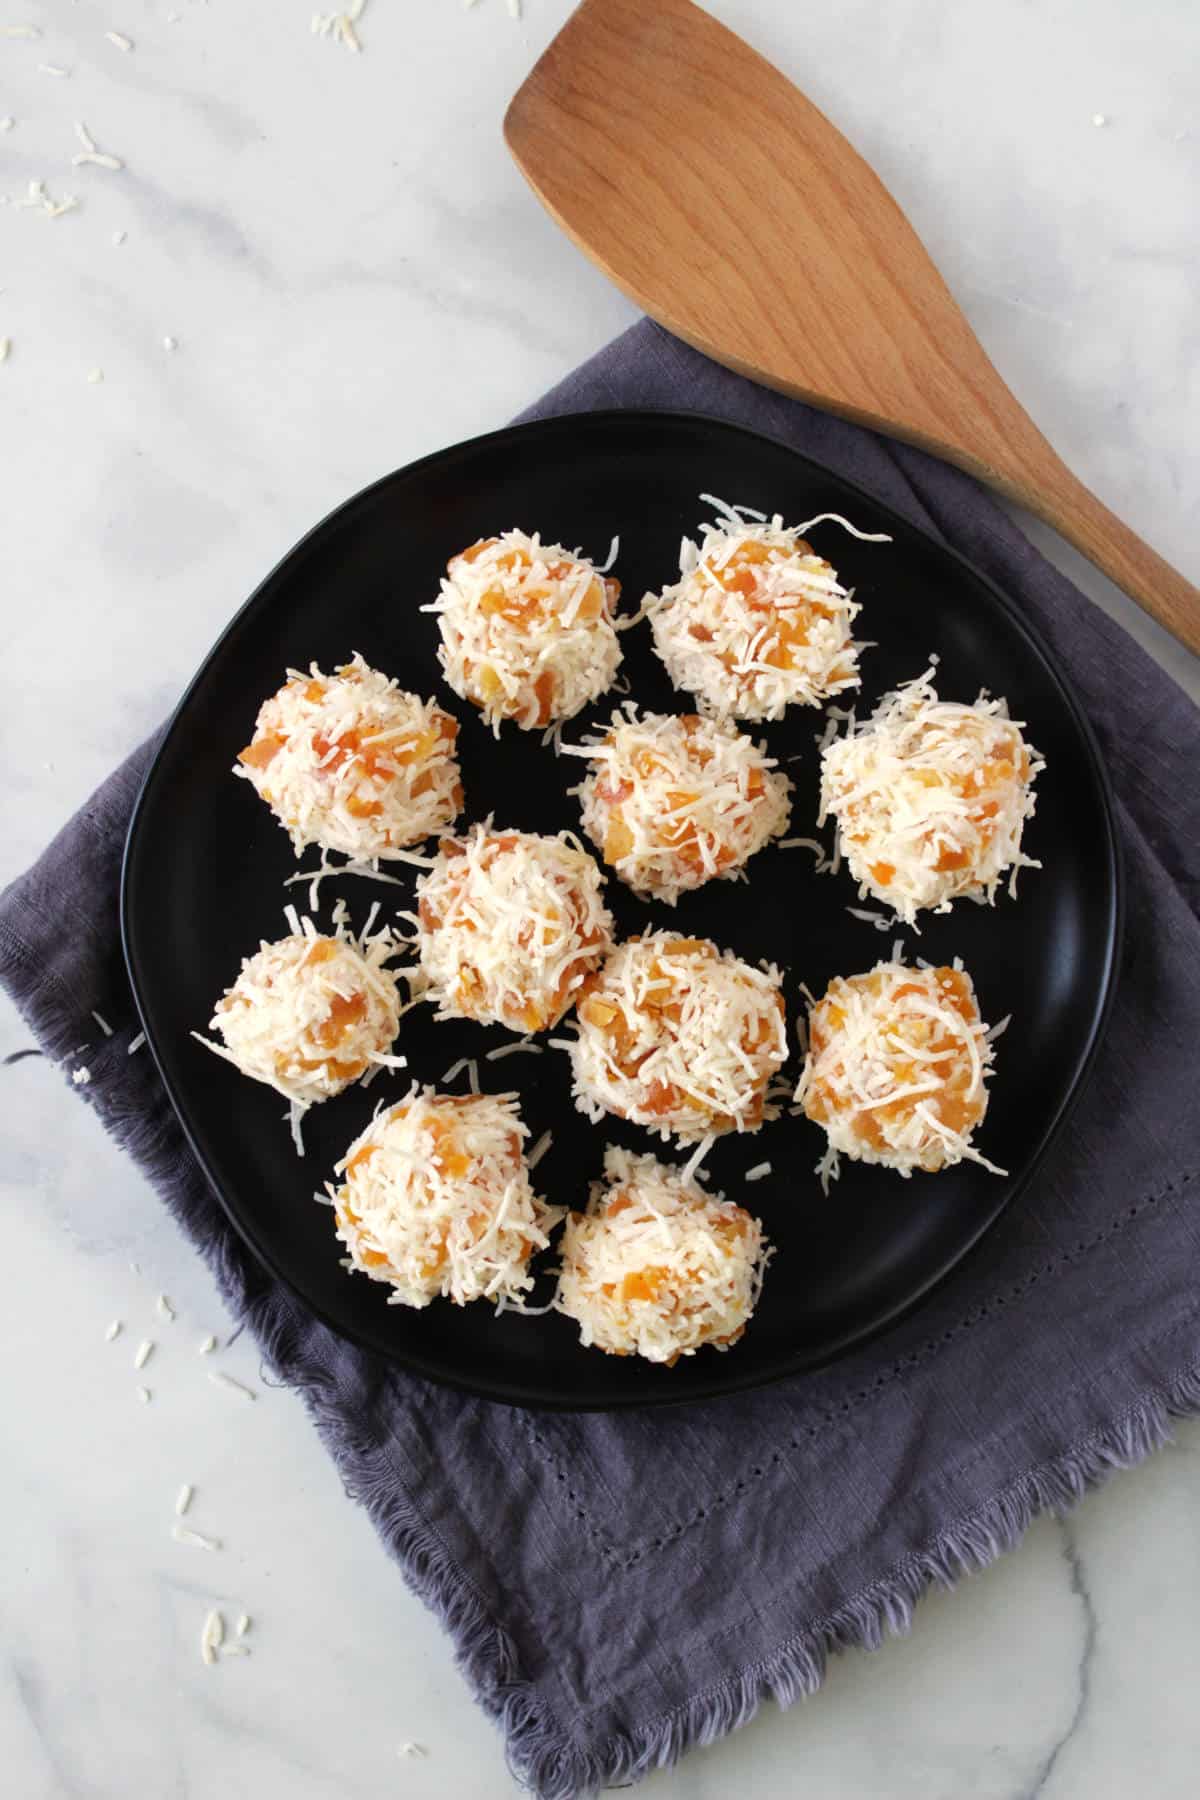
(206, 862)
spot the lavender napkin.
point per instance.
(622, 1587)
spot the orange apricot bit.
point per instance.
(618, 839)
(592, 604)
(338, 750)
(323, 950)
(455, 1163)
(436, 1263)
(643, 1284)
(358, 808)
(360, 1157)
(344, 1014)
(346, 1071)
(261, 751)
(470, 983)
(543, 688)
(958, 992)
(949, 859)
(956, 1112)
(884, 873)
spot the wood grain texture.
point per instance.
(726, 205)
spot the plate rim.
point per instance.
(519, 1394)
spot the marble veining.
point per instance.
(1045, 1772)
(354, 275)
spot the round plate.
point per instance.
(206, 863)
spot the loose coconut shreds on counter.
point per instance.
(511, 923)
(931, 798)
(219, 1378)
(657, 1267)
(757, 621)
(672, 802)
(312, 1013)
(352, 762)
(212, 1636)
(896, 1069)
(436, 1200)
(528, 631)
(679, 1036)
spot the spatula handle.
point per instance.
(1075, 512)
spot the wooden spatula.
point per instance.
(709, 189)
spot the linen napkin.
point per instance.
(620, 1587)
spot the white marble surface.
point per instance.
(355, 274)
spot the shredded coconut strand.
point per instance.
(352, 762)
(504, 1050)
(340, 26)
(510, 924)
(195, 1540)
(930, 798)
(880, 921)
(212, 1637)
(220, 1379)
(757, 621)
(657, 1267)
(681, 1037)
(528, 632)
(673, 802)
(36, 196)
(896, 1069)
(89, 152)
(539, 1150)
(436, 1200)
